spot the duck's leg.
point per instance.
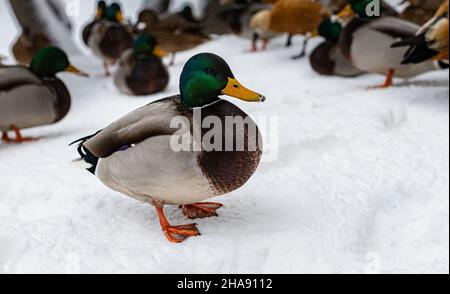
(175, 234)
(201, 210)
(106, 67)
(172, 59)
(265, 43)
(5, 137)
(303, 52)
(255, 42)
(19, 138)
(289, 41)
(388, 82)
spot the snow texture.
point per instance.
(360, 185)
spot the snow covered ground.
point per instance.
(360, 185)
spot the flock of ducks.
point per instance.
(133, 155)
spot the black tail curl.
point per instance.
(85, 154)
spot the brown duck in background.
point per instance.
(297, 17)
(28, 44)
(175, 32)
(431, 41)
(420, 11)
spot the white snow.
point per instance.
(360, 185)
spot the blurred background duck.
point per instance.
(431, 41)
(420, 11)
(175, 32)
(296, 17)
(366, 42)
(108, 36)
(33, 96)
(141, 71)
(249, 20)
(28, 44)
(327, 59)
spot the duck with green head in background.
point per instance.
(33, 96)
(144, 155)
(108, 35)
(141, 71)
(366, 41)
(327, 59)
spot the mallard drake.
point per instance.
(33, 96)
(28, 44)
(141, 71)
(175, 33)
(99, 14)
(297, 17)
(108, 35)
(145, 156)
(327, 59)
(430, 42)
(366, 42)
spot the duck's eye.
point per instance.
(210, 71)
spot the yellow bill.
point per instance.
(74, 70)
(99, 13)
(157, 51)
(236, 90)
(346, 12)
(119, 16)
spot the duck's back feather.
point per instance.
(148, 121)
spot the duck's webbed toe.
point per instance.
(201, 210)
(177, 234)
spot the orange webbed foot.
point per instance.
(175, 234)
(178, 234)
(18, 139)
(201, 210)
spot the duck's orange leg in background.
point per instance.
(5, 137)
(388, 82)
(19, 138)
(265, 43)
(201, 210)
(175, 234)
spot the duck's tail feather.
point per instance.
(418, 51)
(87, 159)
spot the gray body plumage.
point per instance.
(151, 170)
(27, 101)
(370, 47)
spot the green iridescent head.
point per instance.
(114, 13)
(330, 30)
(207, 76)
(146, 45)
(50, 61)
